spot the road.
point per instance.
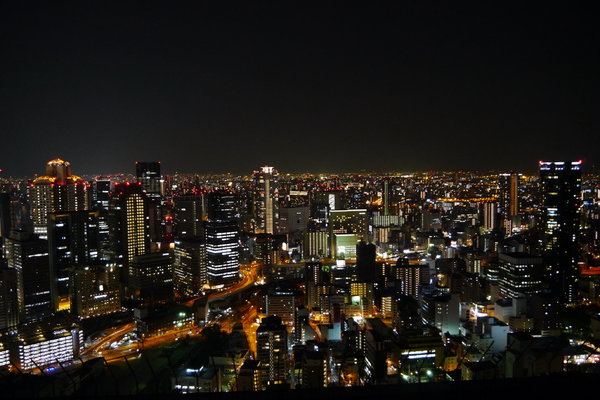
(248, 318)
(249, 273)
(113, 335)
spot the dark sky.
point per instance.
(324, 86)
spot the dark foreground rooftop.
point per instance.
(551, 386)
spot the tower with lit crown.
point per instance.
(58, 190)
(266, 200)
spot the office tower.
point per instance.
(442, 311)
(560, 183)
(102, 194)
(58, 190)
(222, 241)
(9, 296)
(509, 199)
(314, 370)
(264, 248)
(151, 279)
(323, 202)
(347, 227)
(73, 242)
(190, 212)
(520, 273)
(365, 261)
(249, 377)
(294, 220)
(315, 244)
(221, 205)
(5, 216)
(266, 200)
(28, 255)
(313, 272)
(271, 345)
(129, 226)
(281, 304)
(95, 290)
(39, 344)
(386, 197)
(410, 277)
(362, 293)
(489, 215)
(349, 221)
(190, 266)
(148, 174)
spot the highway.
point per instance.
(247, 317)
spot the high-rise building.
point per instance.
(73, 242)
(95, 291)
(39, 344)
(266, 200)
(315, 244)
(561, 198)
(5, 216)
(442, 311)
(509, 199)
(271, 347)
(28, 255)
(365, 261)
(148, 174)
(102, 193)
(313, 272)
(129, 226)
(282, 304)
(386, 196)
(409, 276)
(249, 377)
(58, 190)
(151, 279)
(520, 273)
(9, 296)
(489, 215)
(222, 240)
(190, 266)
(347, 226)
(314, 370)
(190, 212)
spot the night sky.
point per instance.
(341, 86)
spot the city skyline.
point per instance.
(299, 199)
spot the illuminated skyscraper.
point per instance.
(129, 226)
(189, 215)
(73, 242)
(58, 190)
(489, 215)
(95, 291)
(410, 277)
(28, 255)
(561, 197)
(190, 266)
(148, 173)
(266, 200)
(222, 240)
(151, 279)
(102, 192)
(509, 199)
(347, 228)
(271, 348)
(9, 296)
(5, 216)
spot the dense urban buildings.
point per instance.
(305, 281)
